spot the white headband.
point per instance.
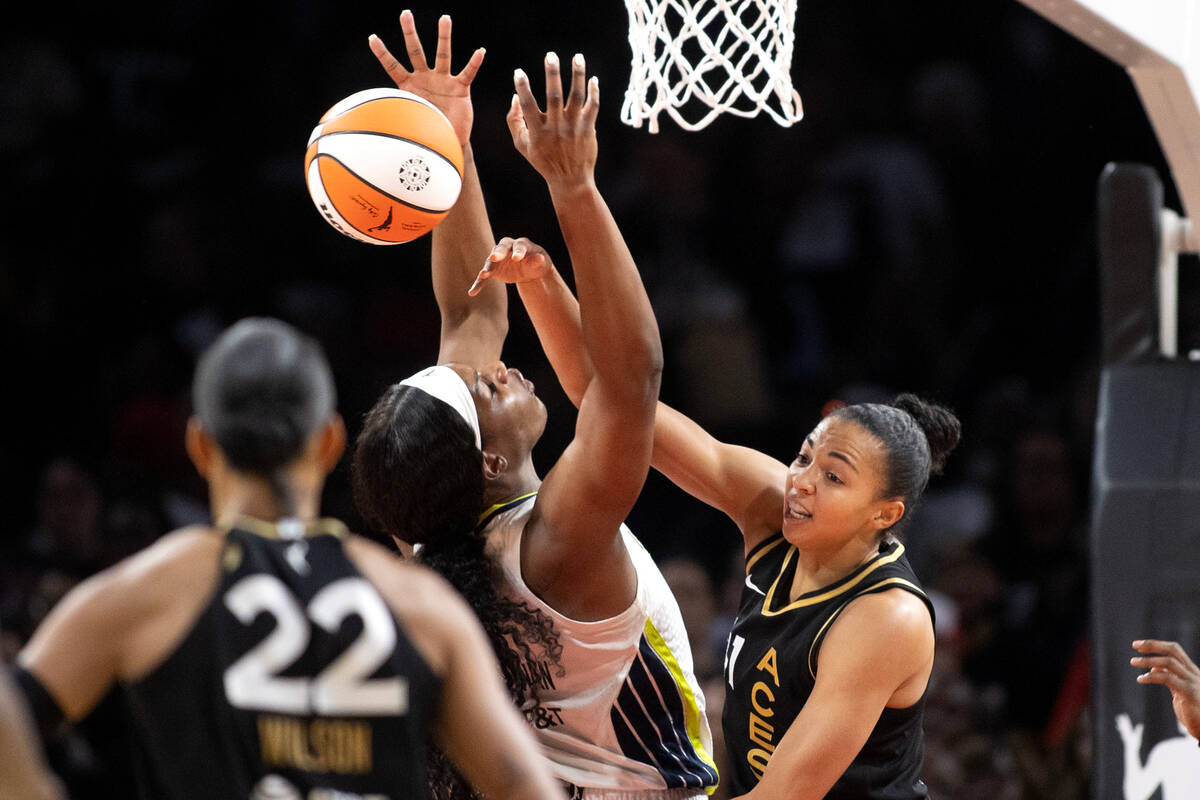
(446, 385)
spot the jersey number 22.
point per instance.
(342, 688)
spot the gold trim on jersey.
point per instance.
(813, 599)
(763, 549)
(812, 669)
(270, 530)
(496, 508)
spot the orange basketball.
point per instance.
(383, 166)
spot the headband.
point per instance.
(446, 385)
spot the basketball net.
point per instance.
(720, 56)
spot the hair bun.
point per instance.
(942, 428)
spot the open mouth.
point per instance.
(796, 511)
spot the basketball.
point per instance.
(383, 166)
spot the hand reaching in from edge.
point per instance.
(559, 142)
(1167, 663)
(513, 261)
(450, 93)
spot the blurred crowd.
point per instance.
(928, 227)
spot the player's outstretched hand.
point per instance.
(559, 142)
(449, 92)
(513, 261)
(1167, 663)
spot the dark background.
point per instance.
(929, 227)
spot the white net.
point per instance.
(695, 59)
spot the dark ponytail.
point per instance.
(942, 429)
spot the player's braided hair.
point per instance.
(518, 634)
(418, 476)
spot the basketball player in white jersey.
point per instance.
(590, 638)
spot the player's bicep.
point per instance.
(75, 653)
(743, 483)
(599, 476)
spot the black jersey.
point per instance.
(295, 682)
(771, 665)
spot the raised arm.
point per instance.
(573, 554)
(473, 328)
(744, 484)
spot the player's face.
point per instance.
(509, 410)
(832, 494)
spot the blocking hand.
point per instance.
(559, 142)
(450, 93)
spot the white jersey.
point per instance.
(624, 716)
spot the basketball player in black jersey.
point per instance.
(273, 654)
(830, 655)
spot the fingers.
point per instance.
(554, 90)
(416, 53)
(498, 254)
(529, 106)
(1159, 676)
(591, 108)
(509, 252)
(1157, 666)
(483, 275)
(501, 251)
(509, 248)
(441, 56)
(516, 124)
(585, 94)
(468, 72)
(389, 63)
(575, 99)
(1173, 649)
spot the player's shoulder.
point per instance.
(174, 550)
(408, 586)
(157, 576)
(169, 550)
(428, 608)
(889, 621)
